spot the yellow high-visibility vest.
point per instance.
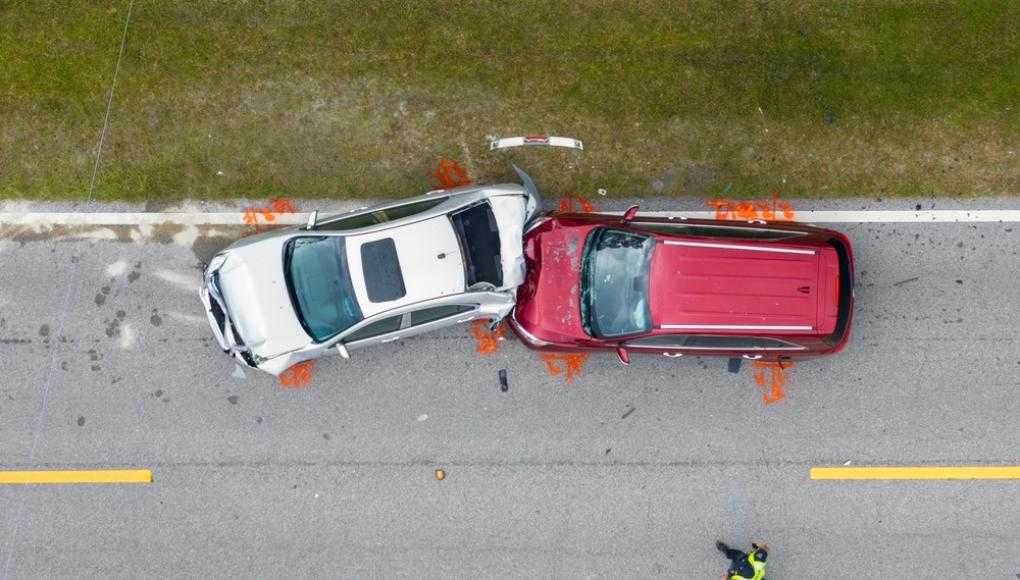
(757, 565)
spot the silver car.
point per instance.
(370, 276)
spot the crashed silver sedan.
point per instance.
(370, 276)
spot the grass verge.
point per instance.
(232, 98)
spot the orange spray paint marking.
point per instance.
(764, 209)
(569, 364)
(297, 376)
(487, 340)
(575, 204)
(773, 392)
(450, 174)
(261, 216)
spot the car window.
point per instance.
(319, 284)
(379, 216)
(478, 234)
(614, 283)
(379, 264)
(720, 231)
(659, 341)
(390, 324)
(708, 342)
(436, 313)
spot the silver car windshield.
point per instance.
(320, 285)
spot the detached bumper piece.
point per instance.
(547, 140)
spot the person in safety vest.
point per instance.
(745, 566)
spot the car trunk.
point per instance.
(734, 287)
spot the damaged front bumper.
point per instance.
(219, 317)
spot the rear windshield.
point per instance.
(479, 239)
(320, 285)
(614, 283)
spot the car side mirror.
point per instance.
(624, 356)
(630, 214)
(340, 348)
(311, 220)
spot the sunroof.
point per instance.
(383, 279)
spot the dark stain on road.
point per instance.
(44, 330)
(112, 327)
(100, 298)
(81, 421)
(326, 436)
(205, 248)
(232, 399)
(155, 319)
(93, 355)
(96, 368)
(63, 365)
(136, 273)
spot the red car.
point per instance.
(676, 286)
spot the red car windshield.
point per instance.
(614, 283)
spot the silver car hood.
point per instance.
(253, 287)
(511, 213)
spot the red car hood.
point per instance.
(548, 306)
(711, 287)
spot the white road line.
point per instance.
(238, 218)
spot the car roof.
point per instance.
(429, 259)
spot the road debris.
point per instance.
(549, 140)
(628, 413)
(440, 474)
(734, 364)
(503, 385)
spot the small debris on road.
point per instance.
(503, 385)
(908, 280)
(629, 411)
(440, 474)
(422, 417)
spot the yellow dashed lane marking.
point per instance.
(84, 476)
(951, 472)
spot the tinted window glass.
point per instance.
(391, 324)
(319, 285)
(614, 283)
(353, 222)
(381, 268)
(437, 313)
(403, 211)
(709, 231)
(738, 343)
(661, 341)
(378, 216)
(479, 237)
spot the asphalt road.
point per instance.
(108, 361)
